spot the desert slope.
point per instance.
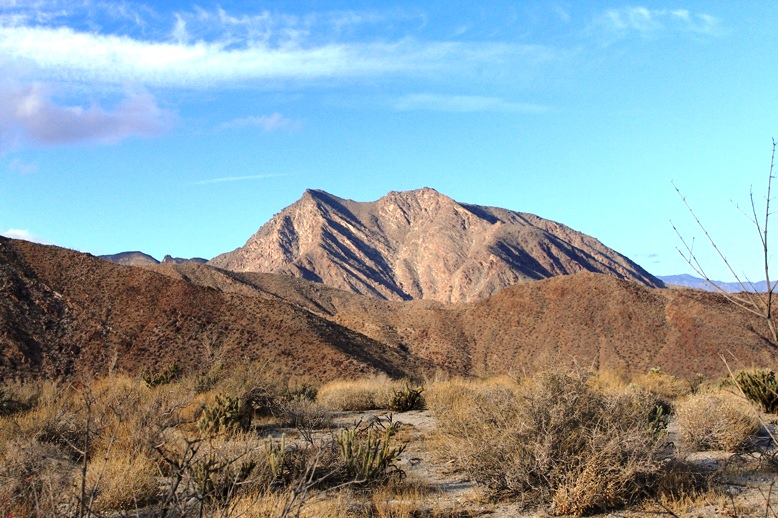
(590, 318)
(63, 312)
(420, 245)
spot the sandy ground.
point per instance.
(743, 489)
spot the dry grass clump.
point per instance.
(555, 439)
(396, 499)
(35, 478)
(663, 385)
(358, 395)
(121, 482)
(719, 421)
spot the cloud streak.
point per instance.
(237, 178)
(29, 114)
(620, 23)
(63, 53)
(19, 167)
(266, 123)
(464, 104)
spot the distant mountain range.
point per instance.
(421, 244)
(690, 281)
(141, 259)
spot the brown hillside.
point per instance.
(63, 312)
(593, 318)
(420, 245)
(313, 296)
(590, 318)
(130, 259)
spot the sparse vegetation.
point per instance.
(750, 298)
(249, 445)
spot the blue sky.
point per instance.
(180, 128)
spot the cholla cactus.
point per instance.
(367, 453)
(760, 386)
(228, 414)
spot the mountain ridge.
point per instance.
(690, 281)
(420, 244)
(64, 313)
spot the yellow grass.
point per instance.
(358, 395)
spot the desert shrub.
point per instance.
(10, 404)
(716, 422)
(35, 479)
(204, 382)
(121, 482)
(556, 439)
(302, 391)
(216, 478)
(57, 420)
(357, 396)
(406, 399)
(263, 401)
(306, 417)
(362, 455)
(760, 386)
(665, 386)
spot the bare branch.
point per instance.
(750, 298)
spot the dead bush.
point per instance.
(556, 440)
(35, 479)
(306, 417)
(719, 421)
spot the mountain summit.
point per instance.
(421, 244)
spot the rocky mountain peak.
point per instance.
(420, 244)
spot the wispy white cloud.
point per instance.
(237, 178)
(16, 233)
(19, 167)
(619, 23)
(28, 114)
(561, 12)
(66, 54)
(464, 104)
(266, 123)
